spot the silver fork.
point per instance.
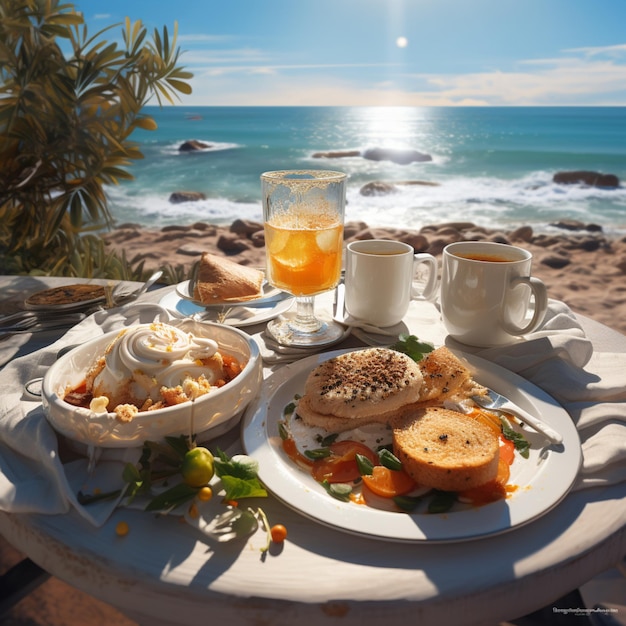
(495, 402)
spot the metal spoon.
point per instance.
(119, 297)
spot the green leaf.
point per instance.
(317, 453)
(441, 502)
(328, 440)
(240, 466)
(412, 346)
(407, 503)
(366, 467)
(340, 491)
(520, 442)
(238, 488)
(180, 445)
(173, 497)
(179, 85)
(389, 459)
(282, 431)
(90, 498)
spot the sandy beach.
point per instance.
(579, 263)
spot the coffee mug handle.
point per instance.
(540, 295)
(430, 290)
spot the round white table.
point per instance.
(164, 572)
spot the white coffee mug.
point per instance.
(381, 280)
(486, 293)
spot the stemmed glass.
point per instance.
(303, 213)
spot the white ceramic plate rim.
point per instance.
(270, 294)
(551, 480)
(257, 314)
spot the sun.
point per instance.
(402, 42)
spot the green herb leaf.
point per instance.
(89, 498)
(240, 466)
(341, 491)
(412, 346)
(366, 467)
(329, 439)
(520, 442)
(179, 444)
(238, 488)
(442, 502)
(407, 503)
(317, 453)
(173, 497)
(389, 459)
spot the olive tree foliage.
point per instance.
(66, 120)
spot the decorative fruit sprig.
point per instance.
(192, 469)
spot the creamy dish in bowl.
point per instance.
(149, 381)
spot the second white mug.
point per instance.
(381, 281)
(488, 296)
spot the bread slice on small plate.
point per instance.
(220, 279)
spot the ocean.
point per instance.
(491, 166)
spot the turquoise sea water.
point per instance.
(493, 166)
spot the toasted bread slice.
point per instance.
(446, 377)
(445, 450)
(221, 280)
(359, 387)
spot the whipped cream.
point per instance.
(144, 359)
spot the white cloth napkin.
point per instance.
(32, 477)
(590, 386)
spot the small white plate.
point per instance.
(544, 479)
(270, 295)
(232, 315)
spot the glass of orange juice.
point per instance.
(303, 214)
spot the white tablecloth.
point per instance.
(322, 567)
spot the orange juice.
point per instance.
(304, 254)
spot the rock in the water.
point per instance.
(186, 196)
(377, 188)
(582, 177)
(193, 145)
(397, 155)
(336, 154)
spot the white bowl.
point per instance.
(213, 413)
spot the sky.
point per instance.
(389, 52)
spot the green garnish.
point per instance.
(389, 459)
(328, 440)
(407, 503)
(341, 491)
(521, 445)
(317, 453)
(366, 467)
(412, 346)
(442, 502)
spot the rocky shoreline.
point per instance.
(579, 263)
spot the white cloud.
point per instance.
(582, 76)
(615, 51)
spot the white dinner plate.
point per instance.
(237, 315)
(269, 295)
(543, 479)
